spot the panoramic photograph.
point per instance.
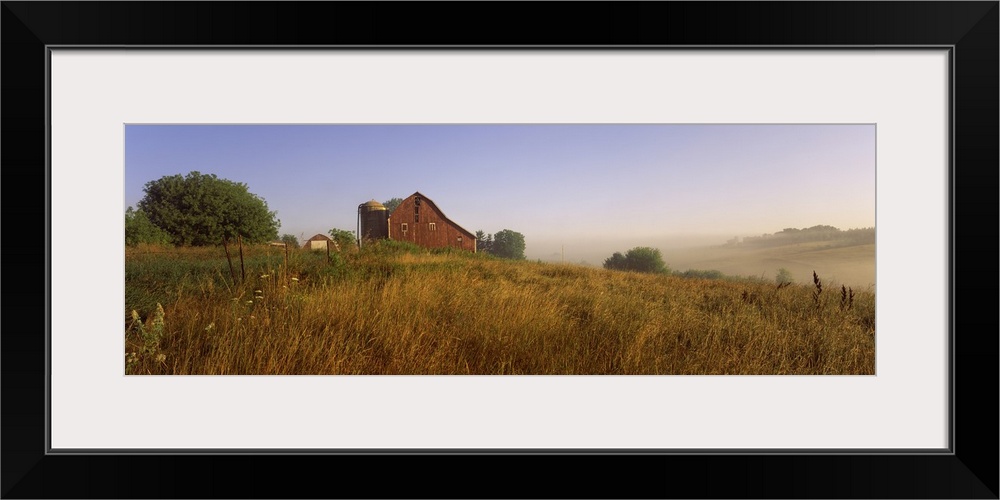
(500, 249)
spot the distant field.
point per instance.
(398, 309)
(849, 265)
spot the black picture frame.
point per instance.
(970, 470)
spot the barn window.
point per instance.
(404, 227)
(433, 226)
(416, 217)
(416, 201)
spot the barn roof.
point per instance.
(443, 216)
(320, 237)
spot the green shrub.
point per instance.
(139, 229)
(639, 259)
(784, 276)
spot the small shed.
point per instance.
(318, 242)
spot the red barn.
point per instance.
(419, 220)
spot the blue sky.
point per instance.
(574, 186)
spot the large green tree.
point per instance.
(344, 238)
(290, 240)
(391, 204)
(508, 244)
(484, 242)
(201, 209)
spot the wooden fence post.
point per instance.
(229, 260)
(243, 271)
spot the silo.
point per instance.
(373, 221)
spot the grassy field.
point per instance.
(852, 265)
(398, 309)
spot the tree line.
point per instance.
(836, 236)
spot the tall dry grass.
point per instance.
(394, 309)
